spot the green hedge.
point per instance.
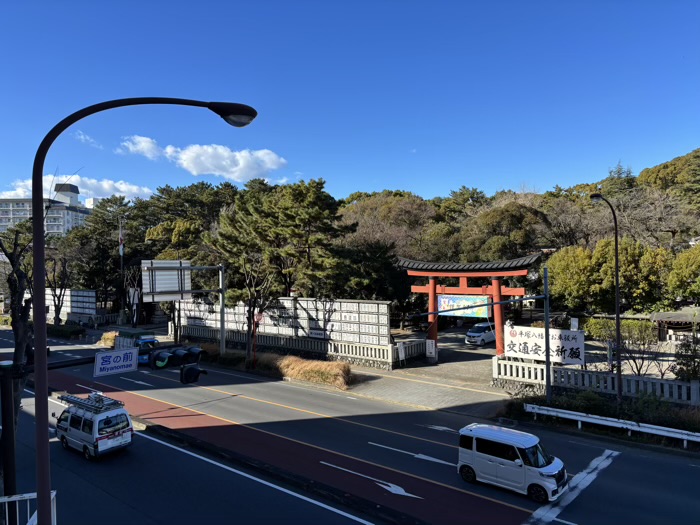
(646, 408)
(630, 330)
(65, 331)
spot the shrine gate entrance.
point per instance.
(494, 271)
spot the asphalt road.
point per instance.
(153, 482)
(395, 457)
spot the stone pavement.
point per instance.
(460, 381)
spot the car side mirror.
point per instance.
(53, 414)
(519, 462)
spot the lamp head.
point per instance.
(238, 115)
(596, 197)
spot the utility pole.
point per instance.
(9, 463)
(547, 358)
(122, 301)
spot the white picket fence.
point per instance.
(381, 356)
(682, 392)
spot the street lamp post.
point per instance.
(122, 291)
(597, 197)
(238, 115)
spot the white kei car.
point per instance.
(480, 334)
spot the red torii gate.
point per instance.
(493, 270)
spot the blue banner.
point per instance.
(452, 302)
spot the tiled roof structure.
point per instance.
(513, 264)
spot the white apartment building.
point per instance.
(62, 213)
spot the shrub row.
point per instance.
(647, 408)
(335, 373)
(630, 330)
(65, 331)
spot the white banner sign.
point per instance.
(565, 346)
(430, 348)
(402, 351)
(116, 361)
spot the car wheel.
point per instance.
(482, 342)
(537, 494)
(468, 474)
(64, 442)
(86, 453)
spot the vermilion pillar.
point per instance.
(497, 314)
(432, 307)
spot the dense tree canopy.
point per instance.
(317, 245)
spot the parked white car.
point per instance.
(480, 334)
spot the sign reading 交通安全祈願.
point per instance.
(116, 361)
(565, 346)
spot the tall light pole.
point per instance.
(238, 115)
(597, 197)
(122, 291)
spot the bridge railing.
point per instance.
(22, 509)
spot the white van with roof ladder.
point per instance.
(511, 459)
(94, 425)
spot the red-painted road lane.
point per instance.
(422, 499)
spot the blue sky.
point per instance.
(424, 96)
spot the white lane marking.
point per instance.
(86, 387)
(564, 521)
(580, 481)
(257, 480)
(417, 456)
(441, 429)
(590, 445)
(391, 487)
(135, 381)
(692, 465)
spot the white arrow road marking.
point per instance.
(135, 381)
(580, 481)
(441, 429)
(417, 456)
(86, 387)
(394, 489)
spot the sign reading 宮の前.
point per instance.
(116, 361)
(565, 346)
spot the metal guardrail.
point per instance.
(630, 426)
(24, 510)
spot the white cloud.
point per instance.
(239, 166)
(138, 145)
(86, 139)
(22, 189)
(213, 159)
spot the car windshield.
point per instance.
(536, 456)
(478, 329)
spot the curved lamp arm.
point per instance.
(238, 115)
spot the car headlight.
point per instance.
(548, 475)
